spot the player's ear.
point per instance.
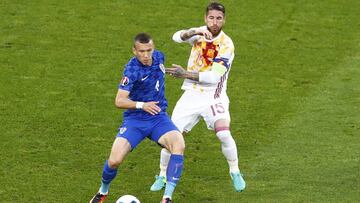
(134, 50)
(152, 44)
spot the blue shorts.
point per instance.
(137, 129)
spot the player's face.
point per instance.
(143, 52)
(214, 21)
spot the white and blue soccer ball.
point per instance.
(128, 199)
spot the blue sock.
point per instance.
(107, 176)
(173, 173)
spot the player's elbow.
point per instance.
(177, 37)
(119, 103)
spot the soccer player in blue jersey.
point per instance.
(142, 92)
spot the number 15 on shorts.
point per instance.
(217, 108)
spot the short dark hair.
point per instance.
(215, 6)
(143, 38)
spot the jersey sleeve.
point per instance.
(128, 79)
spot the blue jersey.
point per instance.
(145, 83)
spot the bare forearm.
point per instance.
(180, 72)
(187, 34)
(124, 103)
(150, 107)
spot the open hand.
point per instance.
(176, 71)
(151, 107)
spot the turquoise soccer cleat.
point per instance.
(238, 181)
(159, 183)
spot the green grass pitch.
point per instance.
(294, 89)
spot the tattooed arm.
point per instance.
(187, 34)
(179, 72)
(208, 77)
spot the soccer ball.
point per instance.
(127, 199)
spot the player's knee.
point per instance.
(221, 125)
(114, 163)
(178, 146)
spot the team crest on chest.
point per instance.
(209, 52)
(122, 130)
(162, 67)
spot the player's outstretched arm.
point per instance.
(179, 72)
(209, 77)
